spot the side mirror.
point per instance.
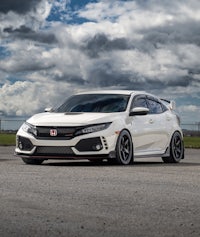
(48, 109)
(139, 111)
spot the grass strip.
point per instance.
(192, 142)
(7, 139)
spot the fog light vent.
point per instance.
(97, 147)
(24, 144)
(89, 144)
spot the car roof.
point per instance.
(121, 92)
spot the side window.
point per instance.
(154, 107)
(164, 108)
(139, 101)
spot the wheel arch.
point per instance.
(171, 136)
(175, 149)
(126, 129)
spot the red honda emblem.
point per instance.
(53, 132)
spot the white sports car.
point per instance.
(113, 125)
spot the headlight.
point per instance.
(92, 128)
(27, 127)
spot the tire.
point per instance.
(124, 148)
(176, 149)
(32, 161)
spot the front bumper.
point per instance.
(88, 146)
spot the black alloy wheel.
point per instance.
(176, 149)
(124, 148)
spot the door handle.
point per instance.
(151, 121)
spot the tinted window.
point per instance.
(164, 108)
(154, 107)
(104, 103)
(139, 101)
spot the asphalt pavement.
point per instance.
(79, 198)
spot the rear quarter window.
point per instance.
(155, 107)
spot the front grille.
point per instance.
(54, 150)
(55, 133)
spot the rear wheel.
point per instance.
(124, 148)
(176, 149)
(32, 161)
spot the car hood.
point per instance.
(70, 119)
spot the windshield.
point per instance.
(102, 103)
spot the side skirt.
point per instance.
(165, 154)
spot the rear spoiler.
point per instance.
(171, 104)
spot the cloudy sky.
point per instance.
(50, 49)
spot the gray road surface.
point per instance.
(77, 198)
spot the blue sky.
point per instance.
(51, 49)
(69, 13)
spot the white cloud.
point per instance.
(33, 18)
(106, 10)
(149, 45)
(189, 108)
(25, 98)
(189, 113)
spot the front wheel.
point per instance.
(176, 149)
(32, 161)
(124, 148)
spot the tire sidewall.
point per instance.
(118, 153)
(172, 153)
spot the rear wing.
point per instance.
(171, 104)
